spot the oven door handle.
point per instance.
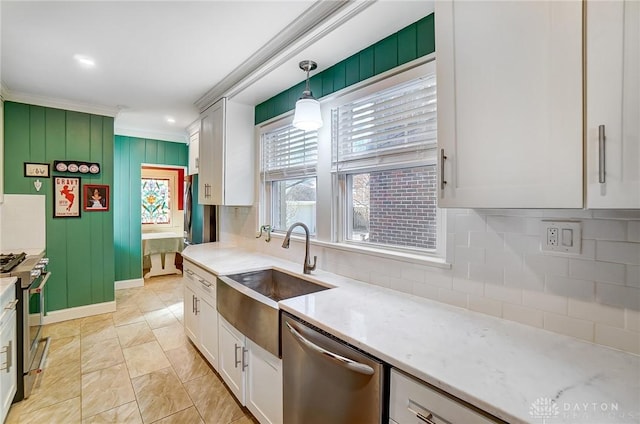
(41, 285)
(345, 362)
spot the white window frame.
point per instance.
(341, 221)
(266, 187)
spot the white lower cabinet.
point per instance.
(253, 374)
(8, 353)
(200, 313)
(412, 402)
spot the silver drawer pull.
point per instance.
(345, 362)
(443, 157)
(190, 272)
(427, 419)
(237, 361)
(244, 361)
(205, 283)
(9, 351)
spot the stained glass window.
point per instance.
(156, 206)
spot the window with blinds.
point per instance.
(396, 126)
(289, 152)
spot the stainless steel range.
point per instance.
(32, 275)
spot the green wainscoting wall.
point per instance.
(130, 154)
(81, 249)
(411, 42)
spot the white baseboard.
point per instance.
(79, 312)
(127, 284)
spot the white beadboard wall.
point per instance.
(498, 269)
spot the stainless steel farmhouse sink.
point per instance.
(249, 302)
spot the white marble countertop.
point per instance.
(7, 283)
(502, 367)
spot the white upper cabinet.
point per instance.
(226, 164)
(194, 152)
(509, 78)
(613, 104)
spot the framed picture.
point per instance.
(66, 197)
(96, 198)
(40, 170)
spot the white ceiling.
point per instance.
(155, 59)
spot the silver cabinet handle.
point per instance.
(190, 272)
(43, 358)
(12, 305)
(204, 282)
(427, 419)
(244, 361)
(235, 352)
(193, 304)
(345, 362)
(601, 155)
(443, 157)
(8, 350)
(197, 310)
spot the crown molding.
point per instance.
(175, 137)
(65, 104)
(316, 22)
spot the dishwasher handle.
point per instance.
(345, 362)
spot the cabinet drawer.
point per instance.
(202, 281)
(414, 402)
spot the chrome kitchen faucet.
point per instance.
(308, 267)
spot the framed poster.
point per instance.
(66, 197)
(41, 170)
(96, 197)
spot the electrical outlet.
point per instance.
(561, 236)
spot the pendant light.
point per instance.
(307, 116)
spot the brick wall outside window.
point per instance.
(403, 207)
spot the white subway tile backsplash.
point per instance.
(462, 239)
(620, 296)
(452, 297)
(574, 327)
(484, 305)
(619, 252)
(468, 286)
(547, 264)
(486, 273)
(513, 224)
(503, 258)
(425, 290)
(570, 287)
(633, 276)
(567, 214)
(469, 254)
(522, 243)
(616, 214)
(633, 231)
(484, 240)
(588, 250)
(632, 320)
(598, 313)
(439, 278)
(608, 272)
(524, 278)
(545, 302)
(505, 294)
(470, 222)
(604, 229)
(523, 315)
(618, 338)
(413, 273)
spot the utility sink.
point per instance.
(249, 302)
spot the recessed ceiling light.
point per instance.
(84, 61)
(171, 120)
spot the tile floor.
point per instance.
(134, 365)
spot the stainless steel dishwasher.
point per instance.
(326, 380)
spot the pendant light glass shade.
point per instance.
(307, 116)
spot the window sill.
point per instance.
(380, 253)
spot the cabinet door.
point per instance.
(232, 358)
(510, 103)
(194, 152)
(209, 331)
(8, 358)
(264, 400)
(191, 319)
(613, 104)
(211, 160)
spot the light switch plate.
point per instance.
(561, 236)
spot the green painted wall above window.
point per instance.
(411, 42)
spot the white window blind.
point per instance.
(289, 152)
(396, 126)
